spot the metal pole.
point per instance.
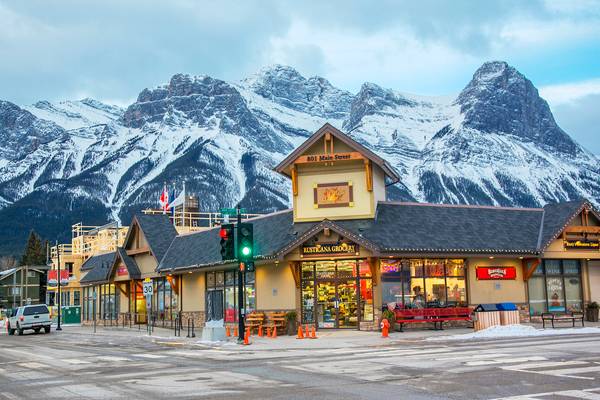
(94, 305)
(58, 328)
(241, 308)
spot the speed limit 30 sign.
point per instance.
(148, 288)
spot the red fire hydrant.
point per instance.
(385, 328)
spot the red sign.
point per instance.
(122, 271)
(64, 277)
(496, 273)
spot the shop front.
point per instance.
(336, 294)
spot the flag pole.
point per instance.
(183, 206)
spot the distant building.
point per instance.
(22, 285)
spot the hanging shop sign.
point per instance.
(496, 273)
(122, 270)
(339, 194)
(329, 249)
(53, 274)
(582, 244)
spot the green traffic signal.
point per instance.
(246, 251)
(245, 241)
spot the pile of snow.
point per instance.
(2, 324)
(214, 324)
(502, 331)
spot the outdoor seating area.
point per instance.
(273, 320)
(436, 316)
(570, 317)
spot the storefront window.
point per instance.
(221, 288)
(419, 283)
(556, 287)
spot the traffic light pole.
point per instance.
(241, 273)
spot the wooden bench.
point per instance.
(254, 320)
(277, 320)
(561, 317)
(437, 316)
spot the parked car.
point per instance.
(33, 317)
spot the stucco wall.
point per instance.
(193, 292)
(495, 291)
(147, 264)
(594, 280)
(275, 287)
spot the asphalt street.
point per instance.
(72, 365)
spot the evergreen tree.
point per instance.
(35, 251)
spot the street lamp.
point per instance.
(58, 328)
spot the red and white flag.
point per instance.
(164, 199)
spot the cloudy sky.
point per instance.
(111, 49)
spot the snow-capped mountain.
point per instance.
(494, 143)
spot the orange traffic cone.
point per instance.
(268, 331)
(248, 332)
(227, 331)
(260, 332)
(235, 331)
(307, 334)
(274, 332)
(313, 333)
(300, 334)
(246, 338)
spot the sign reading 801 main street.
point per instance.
(320, 249)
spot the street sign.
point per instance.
(232, 211)
(148, 289)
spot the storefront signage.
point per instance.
(581, 244)
(496, 273)
(338, 194)
(52, 277)
(321, 249)
(315, 158)
(122, 271)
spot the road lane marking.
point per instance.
(75, 361)
(32, 365)
(149, 355)
(112, 358)
(573, 369)
(586, 394)
(479, 363)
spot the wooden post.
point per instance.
(295, 272)
(369, 175)
(294, 180)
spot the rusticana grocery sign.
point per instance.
(329, 248)
(582, 244)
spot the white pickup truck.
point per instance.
(33, 317)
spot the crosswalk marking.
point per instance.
(586, 394)
(504, 361)
(75, 361)
(150, 355)
(32, 365)
(573, 368)
(112, 358)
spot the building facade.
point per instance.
(22, 285)
(343, 253)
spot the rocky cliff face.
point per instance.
(495, 143)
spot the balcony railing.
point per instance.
(195, 221)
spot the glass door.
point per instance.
(347, 304)
(326, 305)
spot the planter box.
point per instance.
(591, 314)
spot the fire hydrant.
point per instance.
(385, 328)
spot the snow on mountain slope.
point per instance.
(494, 143)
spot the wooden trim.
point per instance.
(295, 180)
(369, 175)
(528, 271)
(373, 266)
(294, 267)
(140, 250)
(582, 229)
(120, 287)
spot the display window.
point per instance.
(336, 294)
(423, 283)
(555, 286)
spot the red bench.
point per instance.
(437, 316)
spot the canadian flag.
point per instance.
(164, 199)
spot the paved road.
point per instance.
(71, 366)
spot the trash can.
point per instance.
(71, 315)
(509, 314)
(485, 316)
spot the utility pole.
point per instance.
(241, 276)
(58, 328)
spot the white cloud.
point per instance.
(568, 93)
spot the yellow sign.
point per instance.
(315, 158)
(329, 249)
(581, 244)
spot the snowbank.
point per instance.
(516, 331)
(2, 324)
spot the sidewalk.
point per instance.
(330, 339)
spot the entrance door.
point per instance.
(326, 305)
(347, 304)
(214, 305)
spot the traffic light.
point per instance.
(227, 242)
(245, 242)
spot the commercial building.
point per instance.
(343, 253)
(22, 285)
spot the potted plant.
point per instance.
(390, 316)
(292, 322)
(591, 312)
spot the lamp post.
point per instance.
(58, 328)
